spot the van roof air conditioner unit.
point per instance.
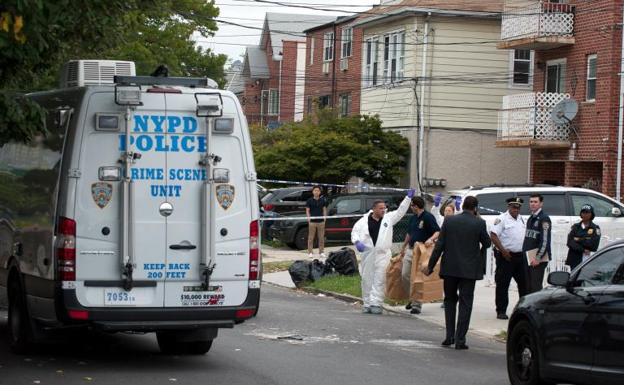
(79, 73)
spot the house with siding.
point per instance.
(578, 62)
(274, 71)
(432, 71)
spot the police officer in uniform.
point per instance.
(584, 237)
(508, 236)
(537, 243)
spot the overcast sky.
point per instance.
(231, 40)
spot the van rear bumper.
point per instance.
(159, 318)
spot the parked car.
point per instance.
(572, 331)
(294, 232)
(288, 199)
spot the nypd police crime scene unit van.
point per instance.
(137, 211)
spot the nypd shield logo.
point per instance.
(225, 195)
(101, 193)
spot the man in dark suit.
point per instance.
(462, 244)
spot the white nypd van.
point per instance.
(137, 211)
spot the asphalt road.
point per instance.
(297, 338)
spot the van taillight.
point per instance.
(254, 252)
(66, 249)
(268, 207)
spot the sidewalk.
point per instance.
(483, 319)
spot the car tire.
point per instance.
(169, 344)
(301, 239)
(523, 356)
(20, 331)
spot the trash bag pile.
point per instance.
(342, 262)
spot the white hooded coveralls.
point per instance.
(375, 258)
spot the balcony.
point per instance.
(539, 26)
(525, 121)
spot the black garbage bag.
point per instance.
(343, 261)
(319, 269)
(300, 272)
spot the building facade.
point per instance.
(571, 123)
(333, 67)
(274, 71)
(432, 71)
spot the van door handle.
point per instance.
(563, 221)
(182, 246)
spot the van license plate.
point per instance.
(120, 297)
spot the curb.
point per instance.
(352, 299)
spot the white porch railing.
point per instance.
(539, 19)
(527, 116)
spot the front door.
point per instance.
(555, 76)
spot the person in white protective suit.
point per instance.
(372, 237)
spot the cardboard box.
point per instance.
(425, 288)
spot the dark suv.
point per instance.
(288, 199)
(572, 331)
(294, 232)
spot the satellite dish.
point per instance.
(564, 111)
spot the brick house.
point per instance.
(274, 71)
(578, 54)
(333, 67)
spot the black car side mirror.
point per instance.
(559, 278)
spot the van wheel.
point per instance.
(522, 356)
(20, 333)
(169, 344)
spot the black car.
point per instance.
(294, 232)
(572, 331)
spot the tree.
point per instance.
(38, 36)
(331, 151)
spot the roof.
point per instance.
(288, 26)
(466, 8)
(338, 21)
(256, 66)
(233, 75)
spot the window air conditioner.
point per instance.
(78, 73)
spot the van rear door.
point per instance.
(99, 204)
(228, 285)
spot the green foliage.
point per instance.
(21, 118)
(331, 150)
(38, 36)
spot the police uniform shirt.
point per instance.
(510, 231)
(537, 235)
(421, 227)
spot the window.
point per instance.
(592, 63)
(325, 101)
(393, 57)
(298, 196)
(328, 46)
(312, 39)
(345, 105)
(555, 76)
(522, 67)
(602, 207)
(348, 206)
(371, 58)
(273, 102)
(600, 270)
(310, 105)
(554, 204)
(492, 204)
(347, 42)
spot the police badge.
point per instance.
(102, 193)
(225, 195)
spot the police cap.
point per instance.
(515, 201)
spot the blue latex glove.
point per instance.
(359, 246)
(437, 199)
(410, 193)
(457, 203)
